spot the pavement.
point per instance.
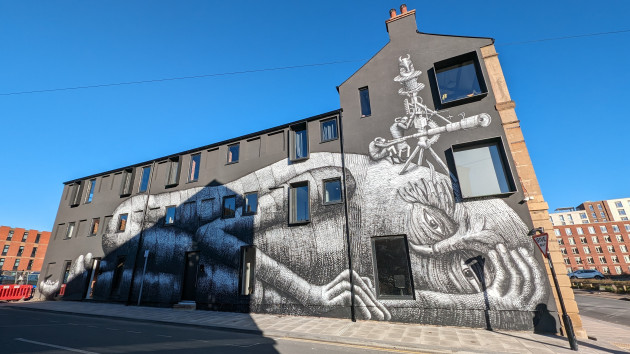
(387, 336)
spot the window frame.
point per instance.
(324, 202)
(369, 103)
(303, 126)
(223, 209)
(197, 167)
(376, 274)
(321, 129)
(245, 203)
(89, 195)
(450, 62)
(126, 185)
(98, 226)
(119, 224)
(5, 250)
(172, 181)
(140, 185)
(166, 209)
(504, 159)
(230, 154)
(69, 230)
(292, 200)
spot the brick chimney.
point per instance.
(401, 24)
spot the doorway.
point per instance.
(96, 263)
(190, 276)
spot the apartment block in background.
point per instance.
(23, 250)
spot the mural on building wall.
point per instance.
(422, 119)
(471, 262)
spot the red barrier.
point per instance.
(15, 292)
(62, 291)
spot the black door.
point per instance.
(190, 276)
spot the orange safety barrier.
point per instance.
(15, 292)
(62, 291)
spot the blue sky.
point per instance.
(569, 93)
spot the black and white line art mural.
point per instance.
(421, 118)
(469, 261)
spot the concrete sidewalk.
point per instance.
(389, 335)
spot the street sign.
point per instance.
(542, 241)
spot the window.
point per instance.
(579, 230)
(118, 275)
(615, 228)
(599, 206)
(332, 191)
(598, 249)
(623, 248)
(30, 264)
(10, 236)
(70, 230)
(571, 241)
(298, 142)
(33, 251)
(195, 164)
(16, 264)
(557, 232)
(578, 260)
(568, 231)
(618, 205)
(391, 263)
(25, 236)
(233, 151)
(229, 206)
(621, 212)
(122, 223)
(614, 259)
(605, 270)
(570, 217)
(574, 250)
(567, 261)
(583, 216)
(482, 169)
(560, 242)
(601, 213)
(172, 178)
(75, 190)
(591, 230)
(618, 270)
(563, 250)
(590, 260)
(20, 251)
(170, 215)
(627, 227)
(582, 239)
(251, 204)
(94, 226)
(329, 129)
(625, 258)
(602, 260)
(594, 239)
(602, 228)
(586, 250)
(66, 272)
(607, 239)
(248, 262)
(364, 97)
(144, 181)
(5, 250)
(37, 238)
(1, 263)
(126, 185)
(299, 204)
(590, 207)
(459, 78)
(90, 192)
(594, 215)
(611, 249)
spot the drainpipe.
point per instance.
(345, 205)
(139, 250)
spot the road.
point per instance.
(604, 308)
(44, 332)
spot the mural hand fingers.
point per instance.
(498, 283)
(539, 284)
(343, 276)
(515, 281)
(524, 286)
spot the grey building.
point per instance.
(403, 205)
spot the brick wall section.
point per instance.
(29, 244)
(538, 208)
(566, 245)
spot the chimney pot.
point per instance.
(403, 8)
(392, 13)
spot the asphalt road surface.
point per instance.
(24, 331)
(604, 309)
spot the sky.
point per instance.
(569, 93)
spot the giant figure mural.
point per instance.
(471, 262)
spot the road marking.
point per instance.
(368, 347)
(134, 332)
(55, 346)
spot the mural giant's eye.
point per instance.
(433, 222)
(468, 273)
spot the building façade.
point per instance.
(404, 205)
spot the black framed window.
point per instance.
(233, 153)
(144, 180)
(33, 251)
(298, 142)
(94, 226)
(299, 203)
(482, 169)
(5, 250)
(1, 263)
(195, 164)
(118, 275)
(16, 264)
(251, 204)
(364, 97)
(170, 215)
(329, 129)
(459, 79)
(332, 191)
(90, 192)
(25, 236)
(393, 274)
(122, 222)
(20, 251)
(70, 230)
(248, 266)
(30, 265)
(10, 236)
(126, 185)
(76, 189)
(172, 178)
(229, 207)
